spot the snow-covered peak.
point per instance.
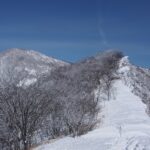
(19, 65)
(137, 78)
(124, 65)
(39, 56)
(124, 61)
(31, 53)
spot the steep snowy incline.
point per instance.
(127, 114)
(125, 126)
(137, 78)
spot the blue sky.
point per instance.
(74, 29)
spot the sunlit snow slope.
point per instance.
(125, 126)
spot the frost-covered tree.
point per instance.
(75, 85)
(22, 111)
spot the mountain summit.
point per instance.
(25, 66)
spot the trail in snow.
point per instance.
(126, 126)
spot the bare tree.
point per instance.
(22, 111)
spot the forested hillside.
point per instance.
(60, 102)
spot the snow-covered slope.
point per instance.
(25, 66)
(125, 124)
(137, 78)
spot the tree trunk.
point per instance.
(25, 145)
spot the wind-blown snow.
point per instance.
(125, 126)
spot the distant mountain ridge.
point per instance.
(25, 66)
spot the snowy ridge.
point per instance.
(137, 78)
(125, 124)
(39, 56)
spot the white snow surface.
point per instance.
(27, 82)
(125, 126)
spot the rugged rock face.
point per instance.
(23, 67)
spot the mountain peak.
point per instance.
(124, 65)
(18, 52)
(124, 60)
(26, 65)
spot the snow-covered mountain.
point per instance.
(25, 66)
(125, 124)
(124, 117)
